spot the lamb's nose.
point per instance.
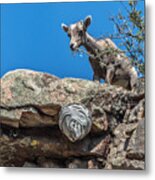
(72, 46)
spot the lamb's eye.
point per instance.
(80, 33)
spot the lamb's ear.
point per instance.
(64, 27)
(87, 21)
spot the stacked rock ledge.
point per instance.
(29, 116)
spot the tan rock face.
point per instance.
(29, 115)
(27, 95)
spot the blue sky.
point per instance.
(32, 38)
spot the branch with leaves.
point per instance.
(130, 30)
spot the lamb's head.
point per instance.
(77, 32)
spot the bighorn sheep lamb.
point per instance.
(107, 60)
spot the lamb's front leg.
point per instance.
(133, 78)
(109, 75)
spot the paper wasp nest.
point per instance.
(75, 121)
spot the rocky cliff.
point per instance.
(29, 114)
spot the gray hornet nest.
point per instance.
(75, 121)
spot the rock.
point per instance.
(97, 163)
(136, 114)
(92, 164)
(103, 147)
(136, 149)
(30, 165)
(29, 115)
(135, 164)
(140, 86)
(39, 96)
(31, 144)
(100, 120)
(127, 149)
(76, 163)
(49, 163)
